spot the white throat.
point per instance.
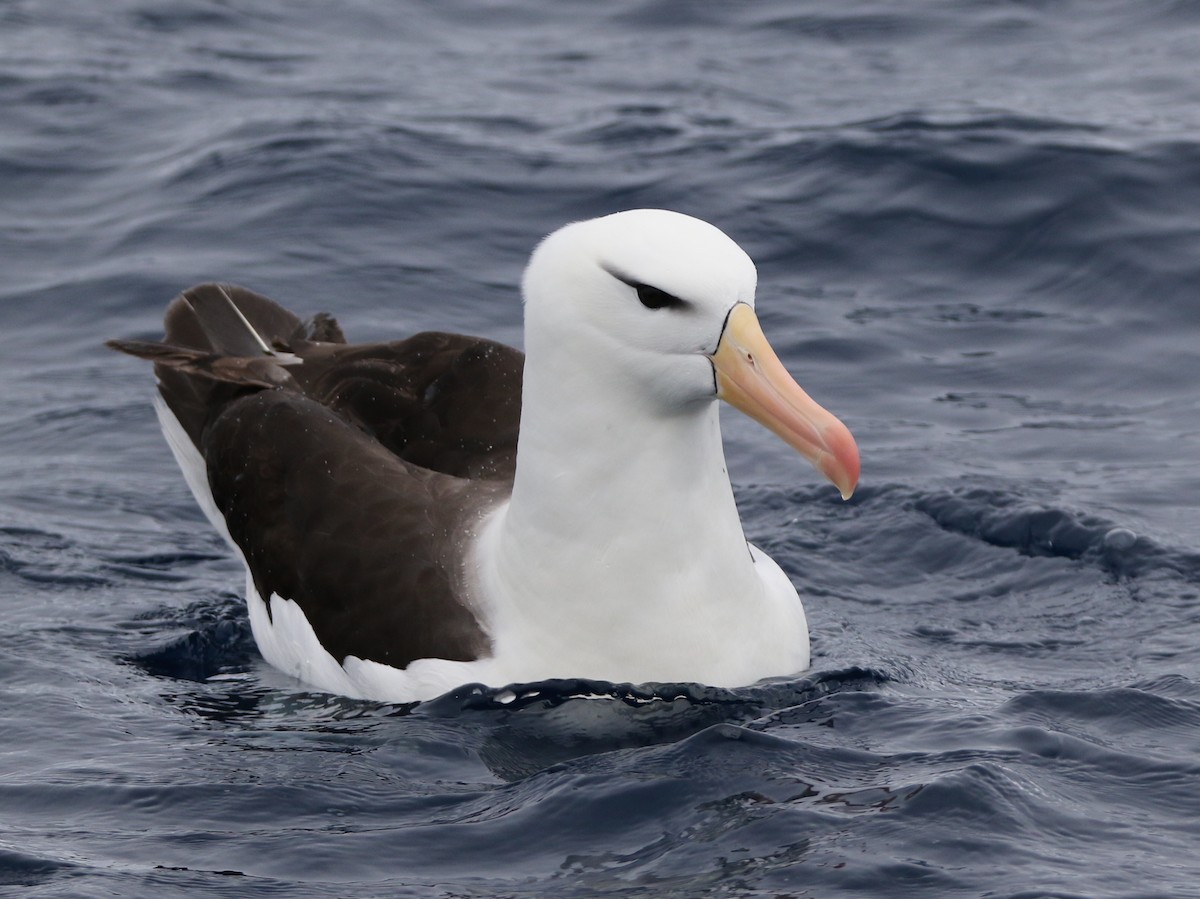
(621, 555)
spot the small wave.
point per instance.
(1004, 520)
(533, 726)
(46, 559)
(217, 641)
(23, 869)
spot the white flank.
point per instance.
(288, 642)
(192, 464)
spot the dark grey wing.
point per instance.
(369, 546)
(347, 474)
(446, 402)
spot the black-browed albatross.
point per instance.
(442, 510)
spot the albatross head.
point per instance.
(660, 306)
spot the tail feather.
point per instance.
(222, 340)
(230, 320)
(254, 371)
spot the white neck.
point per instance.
(620, 554)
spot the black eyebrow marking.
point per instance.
(650, 296)
(619, 275)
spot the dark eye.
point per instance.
(653, 298)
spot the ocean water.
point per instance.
(977, 226)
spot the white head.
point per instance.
(643, 294)
(658, 308)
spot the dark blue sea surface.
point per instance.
(977, 226)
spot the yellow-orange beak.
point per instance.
(751, 377)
